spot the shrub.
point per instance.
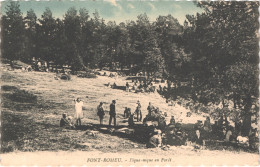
(87, 75)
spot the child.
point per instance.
(78, 111)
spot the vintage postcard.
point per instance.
(131, 83)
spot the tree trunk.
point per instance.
(247, 118)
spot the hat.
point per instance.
(113, 101)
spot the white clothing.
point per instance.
(78, 109)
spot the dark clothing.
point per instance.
(175, 137)
(172, 121)
(139, 114)
(150, 109)
(110, 119)
(131, 121)
(112, 110)
(112, 114)
(127, 113)
(64, 122)
(100, 112)
(153, 142)
(161, 123)
(207, 125)
(198, 126)
(197, 140)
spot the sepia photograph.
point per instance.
(130, 83)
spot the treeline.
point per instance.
(215, 52)
(82, 41)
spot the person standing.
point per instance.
(127, 87)
(100, 112)
(79, 112)
(207, 124)
(150, 108)
(112, 112)
(138, 111)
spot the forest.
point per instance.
(215, 53)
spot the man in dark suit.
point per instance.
(112, 112)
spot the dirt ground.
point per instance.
(31, 132)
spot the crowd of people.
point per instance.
(140, 86)
(162, 134)
(171, 134)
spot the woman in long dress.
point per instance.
(78, 109)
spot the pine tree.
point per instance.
(13, 33)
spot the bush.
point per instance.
(87, 75)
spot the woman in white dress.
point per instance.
(78, 109)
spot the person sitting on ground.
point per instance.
(157, 110)
(161, 122)
(175, 135)
(114, 86)
(165, 114)
(170, 135)
(111, 75)
(155, 140)
(127, 112)
(229, 134)
(131, 120)
(64, 122)
(29, 68)
(100, 112)
(108, 85)
(133, 88)
(78, 111)
(198, 139)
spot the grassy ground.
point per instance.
(32, 104)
